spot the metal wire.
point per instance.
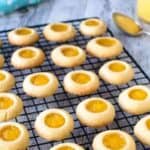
(32, 106)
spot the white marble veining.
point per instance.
(58, 10)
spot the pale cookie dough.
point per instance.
(11, 106)
(67, 146)
(116, 72)
(95, 112)
(13, 136)
(81, 82)
(27, 57)
(59, 32)
(93, 27)
(113, 140)
(41, 84)
(2, 60)
(23, 36)
(142, 130)
(7, 81)
(135, 100)
(104, 47)
(68, 56)
(54, 124)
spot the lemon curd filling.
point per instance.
(138, 94)
(59, 27)
(54, 120)
(65, 148)
(114, 141)
(81, 78)
(5, 102)
(91, 23)
(106, 42)
(117, 67)
(39, 80)
(9, 133)
(148, 123)
(27, 53)
(96, 106)
(23, 31)
(70, 52)
(2, 76)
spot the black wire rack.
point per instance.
(32, 106)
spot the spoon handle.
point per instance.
(146, 32)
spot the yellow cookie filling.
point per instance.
(114, 141)
(81, 78)
(96, 106)
(148, 123)
(70, 52)
(117, 67)
(5, 102)
(23, 31)
(2, 76)
(106, 42)
(54, 120)
(138, 94)
(39, 80)
(91, 23)
(27, 53)
(65, 148)
(59, 27)
(9, 133)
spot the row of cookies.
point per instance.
(66, 55)
(56, 32)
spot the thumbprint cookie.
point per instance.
(54, 124)
(67, 146)
(68, 56)
(104, 47)
(135, 100)
(113, 140)
(13, 136)
(93, 27)
(27, 57)
(116, 72)
(11, 106)
(142, 130)
(95, 112)
(81, 82)
(41, 84)
(59, 32)
(23, 36)
(7, 81)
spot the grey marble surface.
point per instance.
(58, 10)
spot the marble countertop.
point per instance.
(61, 10)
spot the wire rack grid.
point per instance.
(32, 106)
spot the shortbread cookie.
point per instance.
(93, 27)
(81, 82)
(135, 100)
(27, 57)
(104, 47)
(113, 140)
(54, 124)
(59, 32)
(23, 36)
(95, 112)
(41, 84)
(13, 136)
(116, 72)
(11, 106)
(7, 81)
(68, 56)
(142, 130)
